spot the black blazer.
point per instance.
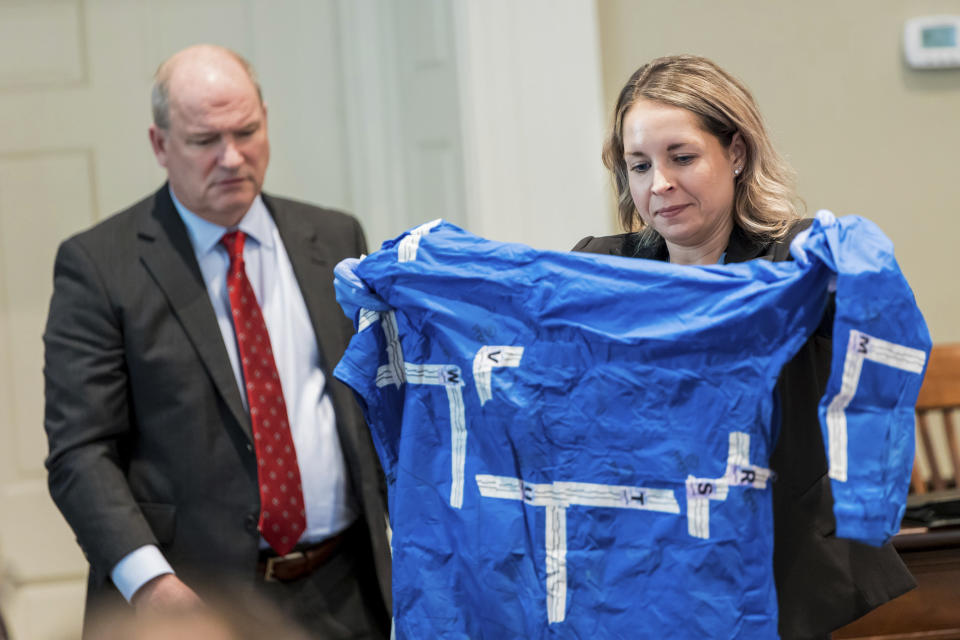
(823, 582)
(149, 441)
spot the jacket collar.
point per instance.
(740, 248)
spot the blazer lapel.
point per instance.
(166, 251)
(313, 267)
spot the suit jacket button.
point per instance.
(250, 522)
(249, 447)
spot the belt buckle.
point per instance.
(268, 573)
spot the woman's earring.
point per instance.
(736, 171)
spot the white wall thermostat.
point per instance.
(931, 42)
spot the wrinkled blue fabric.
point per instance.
(576, 445)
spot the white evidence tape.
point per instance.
(396, 372)
(556, 497)
(488, 357)
(367, 318)
(739, 473)
(449, 377)
(861, 347)
(408, 246)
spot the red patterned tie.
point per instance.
(282, 516)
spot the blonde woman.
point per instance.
(699, 182)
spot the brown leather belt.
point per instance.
(300, 562)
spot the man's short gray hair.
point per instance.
(160, 94)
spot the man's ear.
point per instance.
(158, 140)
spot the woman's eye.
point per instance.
(684, 159)
(640, 167)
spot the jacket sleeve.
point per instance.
(583, 245)
(87, 413)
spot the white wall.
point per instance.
(533, 121)
(485, 113)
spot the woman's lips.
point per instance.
(669, 212)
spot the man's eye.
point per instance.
(203, 142)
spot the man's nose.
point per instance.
(231, 156)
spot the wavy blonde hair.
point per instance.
(765, 200)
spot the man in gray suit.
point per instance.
(161, 454)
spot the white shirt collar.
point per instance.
(205, 235)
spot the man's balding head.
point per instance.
(160, 96)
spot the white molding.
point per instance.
(528, 85)
(371, 112)
(532, 120)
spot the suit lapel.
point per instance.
(166, 251)
(313, 268)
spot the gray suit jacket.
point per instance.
(149, 441)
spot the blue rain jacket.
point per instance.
(576, 445)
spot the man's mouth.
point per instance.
(230, 182)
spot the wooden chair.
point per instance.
(931, 611)
(940, 394)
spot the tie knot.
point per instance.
(233, 241)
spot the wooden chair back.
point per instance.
(937, 403)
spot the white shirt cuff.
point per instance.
(137, 568)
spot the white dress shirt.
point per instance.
(329, 507)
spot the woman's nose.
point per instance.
(661, 182)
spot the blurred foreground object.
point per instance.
(234, 617)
